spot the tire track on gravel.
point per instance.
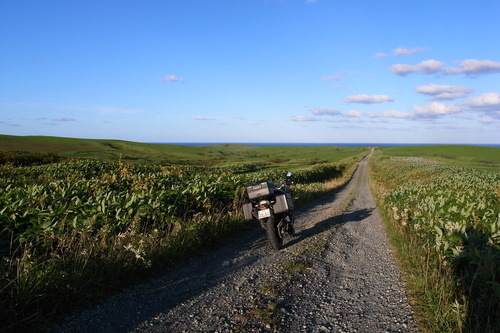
(360, 283)
(351, 284)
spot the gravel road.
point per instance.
(336, 275)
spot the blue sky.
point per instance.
(322, 71)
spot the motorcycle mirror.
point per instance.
(289, 174)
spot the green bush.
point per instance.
(27, 159)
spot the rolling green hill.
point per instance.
(114, 150)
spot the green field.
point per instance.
(80, 219)
(110, 214)
(134, 152)
(441, 205)
(473, 156)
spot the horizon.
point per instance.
(315, 143)
(318, 144)
(313, 71)
(290, 144)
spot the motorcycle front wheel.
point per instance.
(274, 237)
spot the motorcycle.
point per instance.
(273, 207)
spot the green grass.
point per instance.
(135, 152)
(74, 231)
(108, 150)
(150, 238)
(442, 219)
(469, 156)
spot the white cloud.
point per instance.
(474, 67)
(471, 67)
(448, 96)
(338, 120)
(202, 118)
(172, 78)
(487, 100)
(397, 114)
(488, 103)
(444, 92)
(436, 109)
(368, 99)
(405, 51)
(463, 116)
(427, 66)
(348, 127)
(392, 113)
(64, 119)
(353, 113)
(326, 112)
(401, 51)
(304, 118)
(487, 120)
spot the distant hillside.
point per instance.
(114, 150)
(103, 149)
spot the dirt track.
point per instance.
(336, 275)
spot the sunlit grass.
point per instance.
(443, 222)
(77, 231)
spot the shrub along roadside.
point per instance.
(75, 232)
(444, 223)
(27, 158)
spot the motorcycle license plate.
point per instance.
(263, 213)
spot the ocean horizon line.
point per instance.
(317, 144)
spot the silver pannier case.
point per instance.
(260, 190)
(247, 211)
(283, 203)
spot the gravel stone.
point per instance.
(347, 281)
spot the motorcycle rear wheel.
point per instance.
(274, 237)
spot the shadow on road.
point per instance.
(358, 215)
(323, 207)
(348, 217)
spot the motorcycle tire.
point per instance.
(274, 237)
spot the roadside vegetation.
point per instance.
(442, 211)
(75, 230)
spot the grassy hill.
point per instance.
(113, 150)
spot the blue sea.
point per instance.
(299, 144)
